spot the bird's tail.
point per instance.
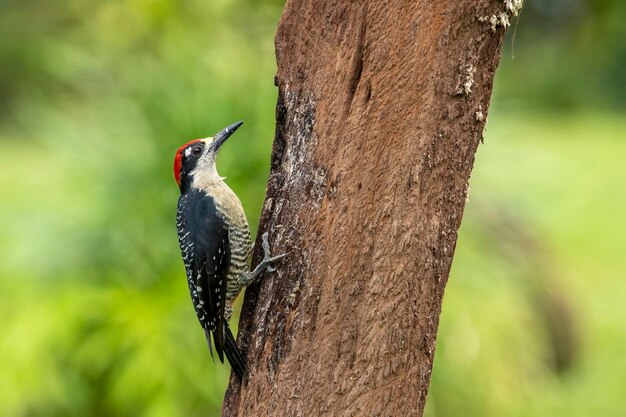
(232, 353)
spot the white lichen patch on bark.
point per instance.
(294, 293)
(513, 6)
(479, 115)
(502, 18)
(467, 82)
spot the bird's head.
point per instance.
(196, 159)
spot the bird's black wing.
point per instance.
(204, 243)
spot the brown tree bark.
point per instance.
(381, 107)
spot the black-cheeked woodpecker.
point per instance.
(214, 241)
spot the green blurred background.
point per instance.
(96, 96)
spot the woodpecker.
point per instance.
(215, 243)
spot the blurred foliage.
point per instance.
(569, 55)
(533, 322)
(96, 96)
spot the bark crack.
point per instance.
(358, 61)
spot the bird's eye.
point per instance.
(196, 151)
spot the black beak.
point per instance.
(221, 137)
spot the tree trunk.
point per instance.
(381, 107)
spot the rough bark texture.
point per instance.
(381, 107)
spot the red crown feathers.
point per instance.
(178, 160)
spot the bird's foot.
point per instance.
(268, 259)
(266, 263)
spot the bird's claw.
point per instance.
(268, 260)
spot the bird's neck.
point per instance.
(206, 178)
